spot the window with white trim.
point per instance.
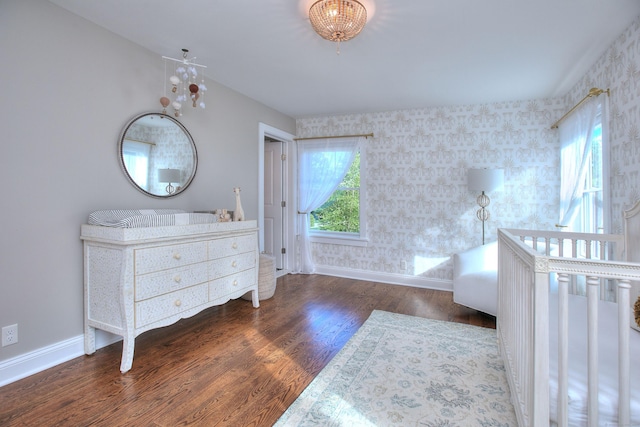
(592, 210)
(341, 219)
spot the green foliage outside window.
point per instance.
(341, 213)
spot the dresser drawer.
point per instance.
(159, 258)
(232, 245)
(220, 288)
(152, 284)
(231, 265)
(167, 305)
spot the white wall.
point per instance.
(68, 89)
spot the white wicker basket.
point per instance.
(266, 278)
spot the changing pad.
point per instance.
(133, 218)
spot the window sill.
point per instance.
(339, 239)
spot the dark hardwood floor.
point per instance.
(231, 365)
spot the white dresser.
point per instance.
(137, 279)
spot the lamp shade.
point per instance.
(484, 179)
(169, 175)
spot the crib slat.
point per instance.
(574, 254)
(592, 350)
(540, 325)
(624, 382)
(563, 349)
(602, 254)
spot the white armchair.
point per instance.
(475, 278)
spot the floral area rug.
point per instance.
(400, 370)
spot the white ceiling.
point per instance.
(411, 53)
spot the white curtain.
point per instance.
(136, 159)
(576, 133)
(322, 165)
(606, 169)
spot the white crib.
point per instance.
(536, 272)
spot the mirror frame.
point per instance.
(126, 172)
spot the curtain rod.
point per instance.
(593, 92)
(366, 135)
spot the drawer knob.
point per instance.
(235, 283)
(178, 303)
(234, 264)
(176, 256)
(177, 279)
(235, 245)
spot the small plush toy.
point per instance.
(223, 215)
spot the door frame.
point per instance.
(289, 192)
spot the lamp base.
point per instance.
(483, 200)
(482, 213)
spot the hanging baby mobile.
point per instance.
(184, 87)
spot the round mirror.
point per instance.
(158, 155)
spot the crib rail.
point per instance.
(526, 260)
(576, 245)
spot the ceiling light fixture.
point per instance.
(184, 85)
(338, 20)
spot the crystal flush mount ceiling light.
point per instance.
(338, 20)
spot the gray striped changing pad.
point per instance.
(136, 218)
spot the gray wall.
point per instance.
(68, 89)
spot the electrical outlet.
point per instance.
(9, 335)
(403, 265)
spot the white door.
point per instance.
(273, 201)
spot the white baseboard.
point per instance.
(280, 273)
(391, 278)
(47, 357)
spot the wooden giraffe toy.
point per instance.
(238, 215)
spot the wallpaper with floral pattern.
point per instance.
(418, 207)
(619, 70)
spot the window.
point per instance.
(135, 156)
(592, 212)
(583, 163)
(341, 213)
(341, 217)
(323, 163)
